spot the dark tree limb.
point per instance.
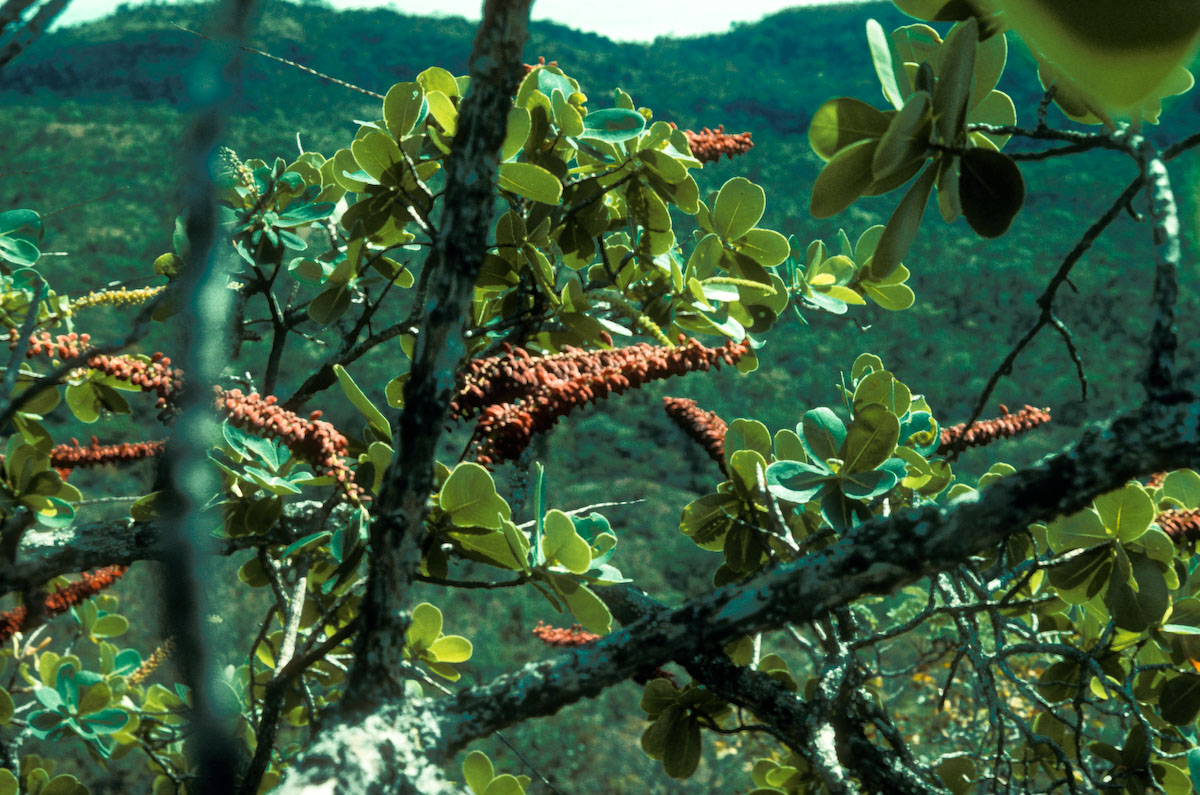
(397, 529)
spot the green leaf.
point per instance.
(902, 228)
(478, 771)
(796, 481)
(1140, 609)
(613, 125)
(665, 166)
(533, 182)
(956, 72)
(843, 179)
(843, 121)
(6, 707)
(330, 305)
(587, 608)
(505, 784)
(95, 698)
(562, 545)
(765, 246)
(469, 497)
(682, 754)
(374, 417)
(1126, 513)
(1180, 699)
(890, 70)
(8, 782)
(426, 626)
(822, 433)
(1077, 531)
(907, 138)
(1182, 485)
(516, 133)
(870, 440)
(708, 519)
(744, 434)
(110, 626)
(739, 206)
(451, 649)
(991, 189)
(404, 107)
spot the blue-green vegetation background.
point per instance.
(92, 122)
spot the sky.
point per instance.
(613, 18)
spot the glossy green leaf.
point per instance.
(404, 107)
(613, 125)
(426, 626)
(587, 608)
(110, 626)
(374, 417)
(765, 246)
(907, 138)
(822, 433)
(469, 497)
(797, 481)
(516, 133)
(1182, 485)
(743, 434)
(532, 182)
(991, 189)
(871, 438)
(330, 305)
(451, 649)
(1180, 699)
(843, 179)
(889, 69)
(562, 545)
(843, 121)
(478, 771)
(1137, 610)
(956, 72)
(682, 754)
(739, 206)
(1126, 513)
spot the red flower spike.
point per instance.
(1181, 526)
(66, 457)
(553, 636)
(705, 427)
(62, 600)
(518, 396)
(314, 440)
(708, 145)
(987, 431)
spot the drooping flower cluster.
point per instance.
(62, 600)
(1180, 525)
(519, 395)
(705, 427)
(313, 440)
(120, 297)
(708, 145)
(65, 457)
(555, 636)
(987, 431)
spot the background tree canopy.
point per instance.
(839, 596)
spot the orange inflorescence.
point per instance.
(708, 145)
(156, 658)
(1180, 525)
(554, 636)
(987, 431)
(1156, 480)
(314, 440)
(705, 427)
(155, 376)
(65, 457)
(62, 600)
(120, 297)
(519, 395)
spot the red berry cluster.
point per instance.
(62, 600)
(1180, 525)
(705, 427)
(522, 395)
(1156, 480)
(65, 457)
(987, 431)
(708, 145)
(314, 440)
(554, 636)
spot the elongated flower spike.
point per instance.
(62, 600)
(554, 636)
(518, 395)
(65, 457)
(1181, 526)
(704, 427)
(987, 431)
(708, 145)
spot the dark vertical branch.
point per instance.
(1160, 374)
(22, 37)
(187, 479)
(397, 532)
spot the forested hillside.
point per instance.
(93, 116)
